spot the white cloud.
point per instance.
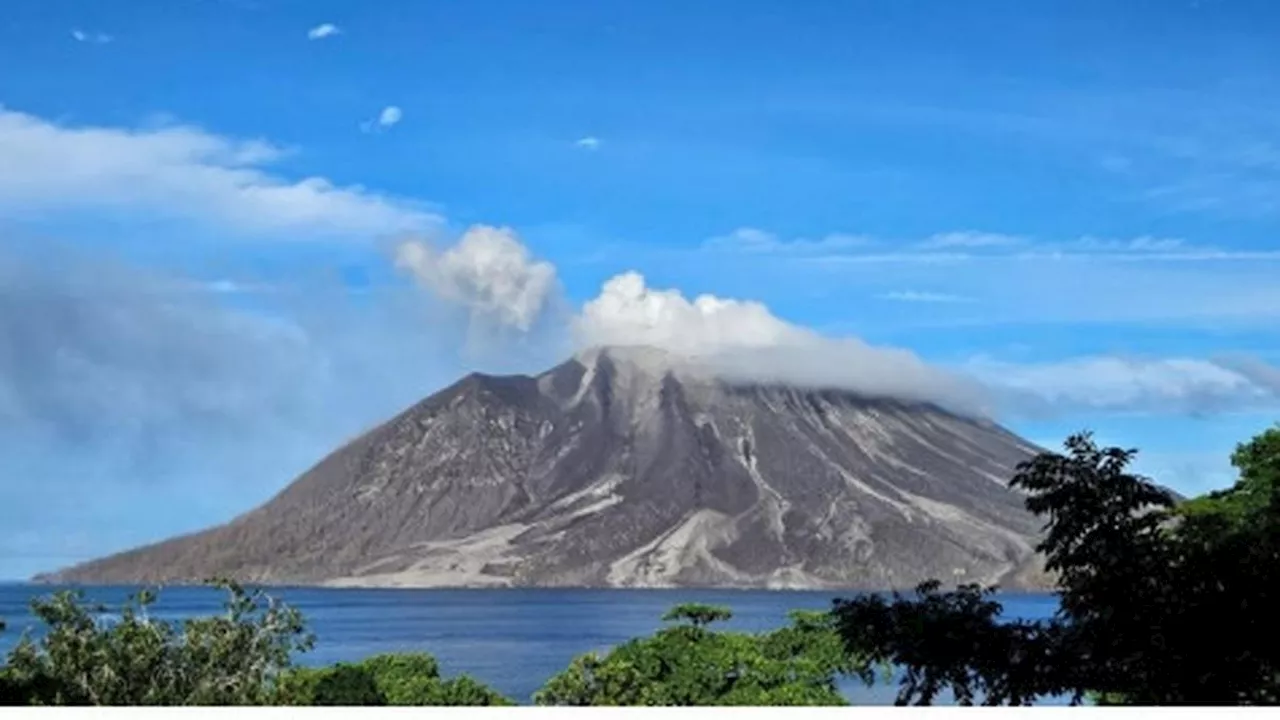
(488, 271)
(187, 173)
(182, 172)
(389, 116)
(756, 241)
(1143, 243)
(971, 245)
(588, 143)
(227, 286)
(96, 38)
(970, 239)
(742, 339)
(323, 31)
(1110, 383)
(627, 312)
(916, 296)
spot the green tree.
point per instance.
(699, 614)
(1161, 603)
(343, 685)
(241, 657)
(689, 664)
(388, 679)
(230, 659)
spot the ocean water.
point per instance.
(514, 640)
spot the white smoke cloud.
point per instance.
(627, 312)
(743, 340)
(488, 271)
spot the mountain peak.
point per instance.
(616, 469)
(649, 357)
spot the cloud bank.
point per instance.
(1118, 384)
(138, 404)
(490, 271)
(184, 173)
(96, 352)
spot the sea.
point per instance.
(511, 639)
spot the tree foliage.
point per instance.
(242, 657)
(1161, 603)
(389, 679)
(689, 664)
(230, 659)
(699, 614)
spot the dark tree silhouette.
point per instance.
(698, 614)
(1161, 603)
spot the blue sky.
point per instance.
(202, 205)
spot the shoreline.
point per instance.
(54, 586)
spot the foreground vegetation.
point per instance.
(1161, 603)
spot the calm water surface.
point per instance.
(511, 639)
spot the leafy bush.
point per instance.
(231, 659)
(691, 665)
(242, 657)
(465, 690)
(345, 685)
(389, 679)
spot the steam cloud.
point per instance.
(488, 271)
(743, 340)
(491, 272)
(139, 385)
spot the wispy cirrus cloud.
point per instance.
(971, 245)
(916, 296)
(977, 247)
(756, 241)
(971, 239)
(1038, 281)
(589, 142)
(1206, 150)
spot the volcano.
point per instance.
(632, 467)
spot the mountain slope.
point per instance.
(625, 467)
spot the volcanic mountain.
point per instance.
(625, 467)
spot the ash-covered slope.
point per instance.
(623, 467)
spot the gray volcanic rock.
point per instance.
(630, 467)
